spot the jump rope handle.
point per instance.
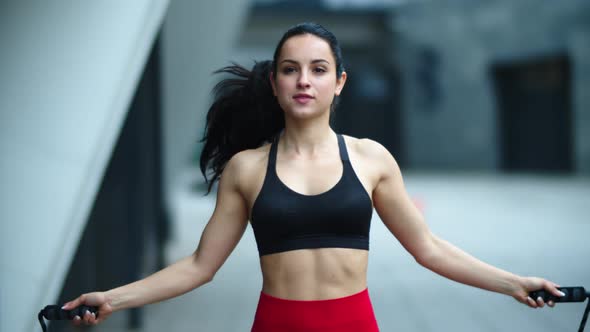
(572, 294)
(55, 312)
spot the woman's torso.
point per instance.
(318, 273)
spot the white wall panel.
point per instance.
(68, 72)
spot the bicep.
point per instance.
(225, 227)
(397, 211)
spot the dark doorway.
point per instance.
(534, 114)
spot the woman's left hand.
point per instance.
(531, 284)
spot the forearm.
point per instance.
(174, 280)
(451, 262)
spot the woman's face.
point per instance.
(305, 82)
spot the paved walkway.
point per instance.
(528, 225)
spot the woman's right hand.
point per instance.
(96, 299)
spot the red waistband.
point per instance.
(349, 313)
(362, 294)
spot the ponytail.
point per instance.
(244, 115)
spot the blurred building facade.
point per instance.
(455, 85)
(495, 85)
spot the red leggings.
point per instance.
(352, 313)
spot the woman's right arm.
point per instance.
(221, 235)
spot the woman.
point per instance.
(309, 195)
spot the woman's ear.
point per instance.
(271, 77)
(340, 83)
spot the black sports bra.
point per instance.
(284, 220)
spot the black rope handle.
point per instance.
(55, 312)
(571, 294)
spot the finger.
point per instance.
(531, 302)
(77, 321)
(556, 292)
(89, 318)
(75, 303)
(93, 318)
(551, 303)
(68, 305)
(86, 317)
(540, 302)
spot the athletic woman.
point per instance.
(309, 194)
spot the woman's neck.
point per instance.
(307, 138)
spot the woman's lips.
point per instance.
(302, 98)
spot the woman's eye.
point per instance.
(319, 70)
(288, 70)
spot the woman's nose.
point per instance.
(303, 81)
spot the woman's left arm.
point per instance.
(407, 224)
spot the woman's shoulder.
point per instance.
(247, 168)
(250, 160)
(370, 158)
(366, 147)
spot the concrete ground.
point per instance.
(530, 225)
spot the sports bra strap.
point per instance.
(272, 155)
(342, 147)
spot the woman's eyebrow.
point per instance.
(313, 61)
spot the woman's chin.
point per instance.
(304, 113)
